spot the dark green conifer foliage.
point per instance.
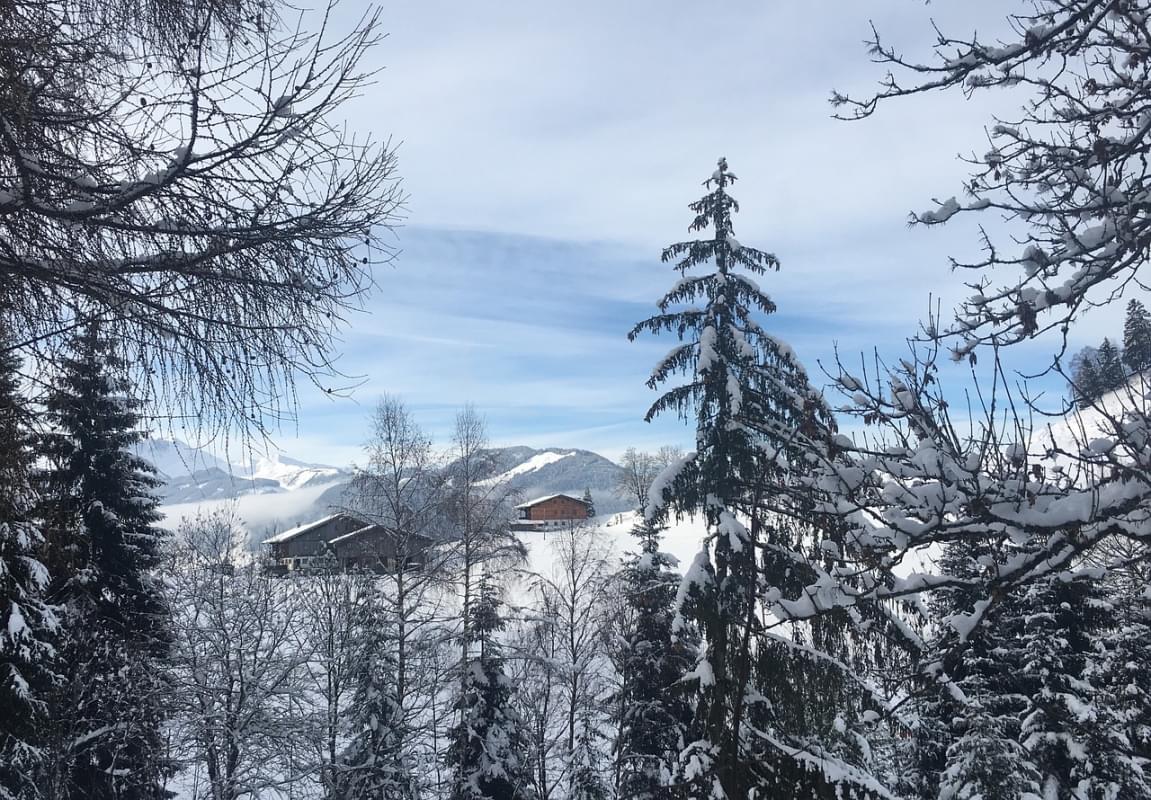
(1086, 382)
(935, 706)
(976, 717)
(587, 498)
(1137, 337)
(372, 765)
(1111, 372)
(1126, 670)
(488, 750)
(656, 656)
(749, 398)
(1073, 735)
(28, 626)
(103, 545)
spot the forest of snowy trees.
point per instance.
(899, 592)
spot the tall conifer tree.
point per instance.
(1137, 337)
(373, 765)
(975, 731)
(28, 626)
(1110, 365)
(656, 656)
(103, 544)
(1086, 383)
(750, 400)
(489, 748)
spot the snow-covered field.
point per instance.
(681, 540)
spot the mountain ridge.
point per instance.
(293, 491)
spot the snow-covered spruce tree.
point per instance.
(102, 547)
(752, 404)
(1125, 671)
(1073, 736)
(488, 747)
(656, 712)
(587, 498)
(968, 740)
(1137, 337)
(932, 701)
(374, 765)
(28, 625)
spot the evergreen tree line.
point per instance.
(87, 623)
(1098, 370)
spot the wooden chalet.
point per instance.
(553, 511)
(349, 541)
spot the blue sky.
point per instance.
(550, 152)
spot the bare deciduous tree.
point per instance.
(175, 171)
(240, 673)
(401, 489)
(479, 510)
(1071, 164)
(572, 599)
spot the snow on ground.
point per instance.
(682, 540)
(1086, 425)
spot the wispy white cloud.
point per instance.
(551, 151)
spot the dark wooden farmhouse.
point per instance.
(552, 511)
(349, 541)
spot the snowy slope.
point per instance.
(1083, 426)
(537, 461)
(682, 539)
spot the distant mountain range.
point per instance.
(279, 492)
(193, 475)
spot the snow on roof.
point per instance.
(292, 533)
(356, 532)
(374, 527)
(544, 499)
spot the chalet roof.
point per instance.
(353, 534)
(292, 533)
(371, 527)
(544, 499)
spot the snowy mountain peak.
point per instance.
(191, 473)
(288, 472)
